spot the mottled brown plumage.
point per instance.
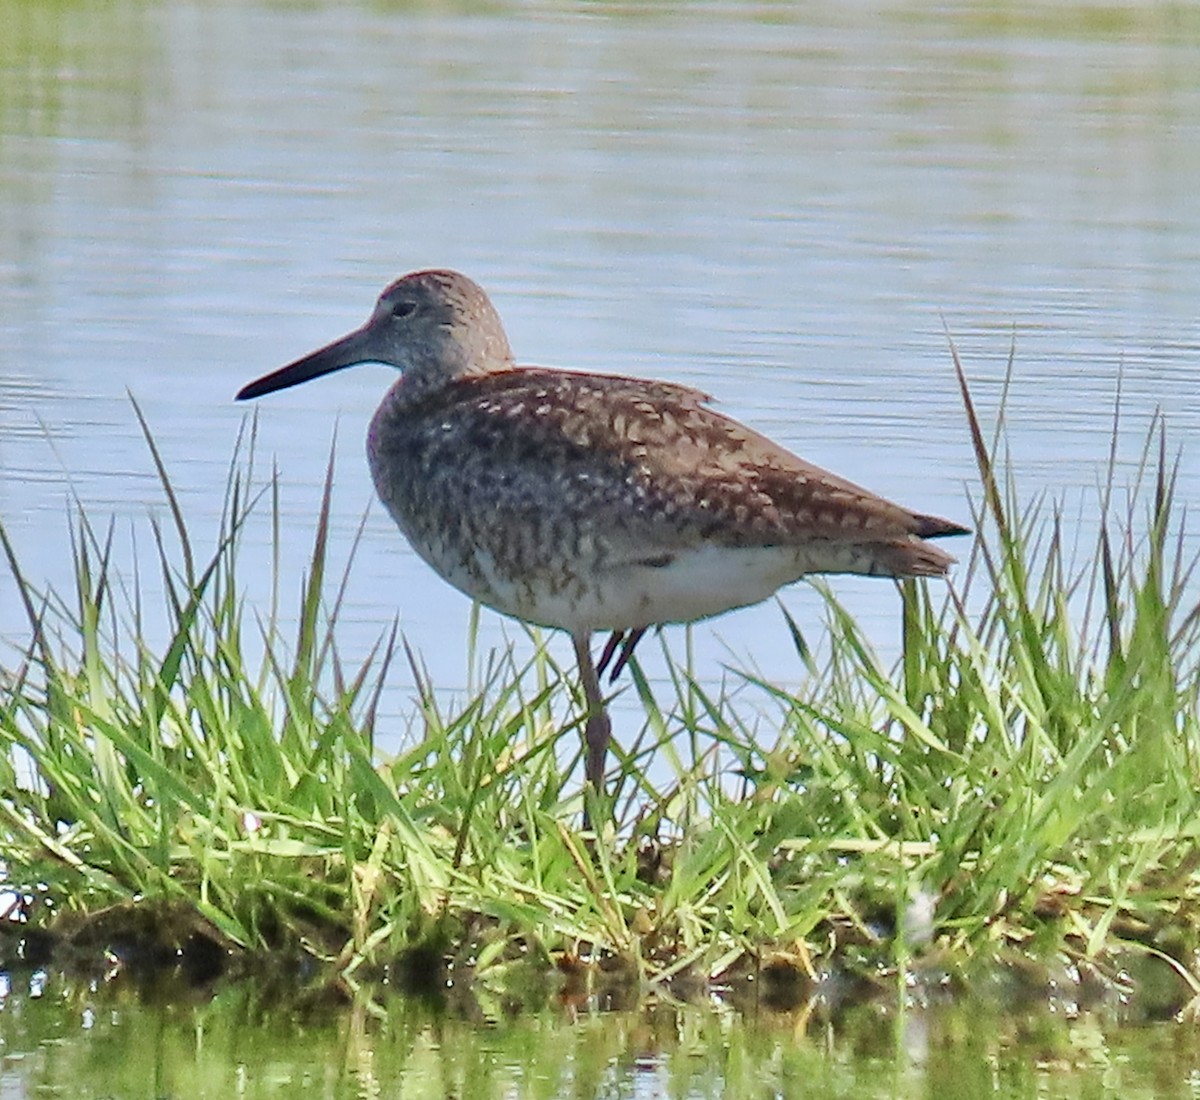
(592, 501)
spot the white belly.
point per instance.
(695, 584)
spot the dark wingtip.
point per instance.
(934, 527)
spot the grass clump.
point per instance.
(1022, 785)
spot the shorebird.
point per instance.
(592, 502)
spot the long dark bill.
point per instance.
(351, 349)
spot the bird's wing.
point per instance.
(757, 491)
(653, 461)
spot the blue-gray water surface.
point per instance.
(787, 207)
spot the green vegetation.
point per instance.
(1021, 788)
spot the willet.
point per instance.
(592, 502)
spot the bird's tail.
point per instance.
(910, 558)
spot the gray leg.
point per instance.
(598, 730)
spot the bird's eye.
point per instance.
(403, 309)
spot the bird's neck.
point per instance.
(422, 381)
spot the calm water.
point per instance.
(779, 204)
(54, 1038)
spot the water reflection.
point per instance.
(116, 1041)
(776, 204)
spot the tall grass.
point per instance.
(1023, 781)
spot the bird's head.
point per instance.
(434, 326)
